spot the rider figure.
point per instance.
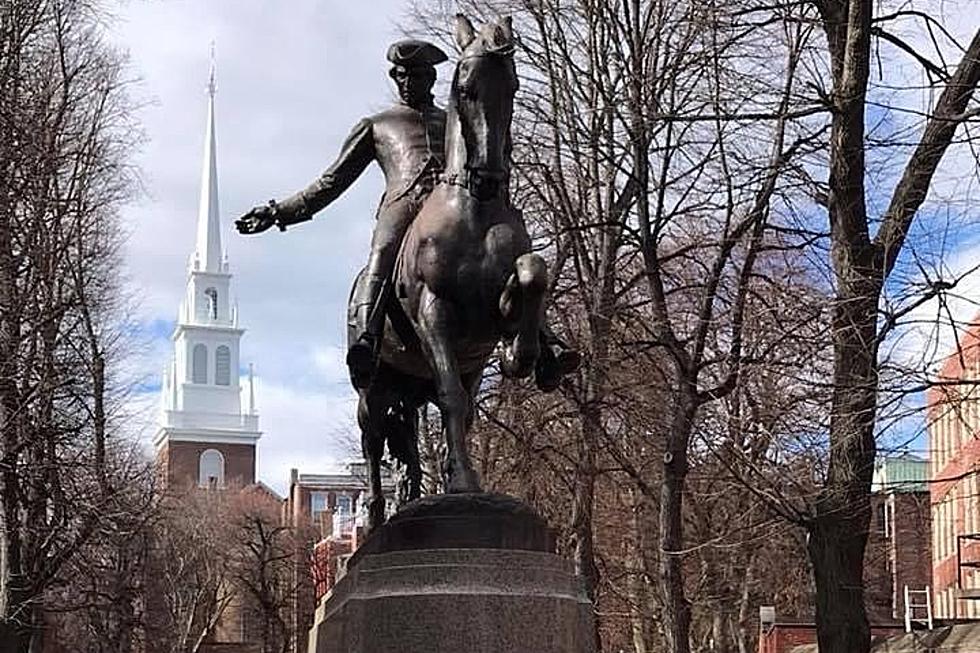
(407, 141)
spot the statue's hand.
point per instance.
(256, 221)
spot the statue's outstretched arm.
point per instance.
(355, 155)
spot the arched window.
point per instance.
(212, 296)
(222, 365)
(199, 364)
(211, 469)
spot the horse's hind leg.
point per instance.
(369, 417)
(435, 321)
(522, 308)
(412, 462)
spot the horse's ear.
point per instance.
(506, 28)
(464, 32)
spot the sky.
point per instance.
(292, 79)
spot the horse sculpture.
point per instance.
(465, 280)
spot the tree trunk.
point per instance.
(839, 531)
(677, 609)
(641, 597)
(837, 552)
(583, 501)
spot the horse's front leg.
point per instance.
(436, 318)
(522, 309)
(369, 418)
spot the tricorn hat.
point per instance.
(411, 53)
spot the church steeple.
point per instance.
(205, 437)
(208, 255)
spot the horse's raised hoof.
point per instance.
(550, 367)
(547, 371)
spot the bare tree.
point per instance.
(191, 565)
(864, 250)
(265, 557)
(65, 134)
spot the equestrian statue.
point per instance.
(451, 274)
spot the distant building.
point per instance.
(899, 549)
(953, 421)
(326, 514)
(789, 637)
(208, 432)
(205, 437)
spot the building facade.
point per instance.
(953, 421)
(206, 437)
(899, 549)
(325, 512)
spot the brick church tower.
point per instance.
(205, 438)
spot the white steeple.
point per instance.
(208, 255)
(202, 396)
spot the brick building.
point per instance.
(899, 550)
(794, 638)
(953, 421)
(324, 511)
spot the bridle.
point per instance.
(471, 180)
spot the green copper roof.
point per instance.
(902, 473)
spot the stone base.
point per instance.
(495, 587)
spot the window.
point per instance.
(212, 296)
(344, 505)
(881, 518)
(318, 503)
(199, 364)
(222, 365)
(211, 469)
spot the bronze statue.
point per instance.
(426, 314)
(407, 142)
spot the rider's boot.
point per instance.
(555, 360)
(362, 355)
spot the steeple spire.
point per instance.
(208, 251)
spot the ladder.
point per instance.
(925, 598)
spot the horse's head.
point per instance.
(482, 97)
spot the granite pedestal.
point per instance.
(460, 573)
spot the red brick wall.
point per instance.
(911, 546)
(326, 555)
(782, 638)
(180, 460)
(902, 556)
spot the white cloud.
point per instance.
(292, 79)
(929, 333)
(301, 429)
